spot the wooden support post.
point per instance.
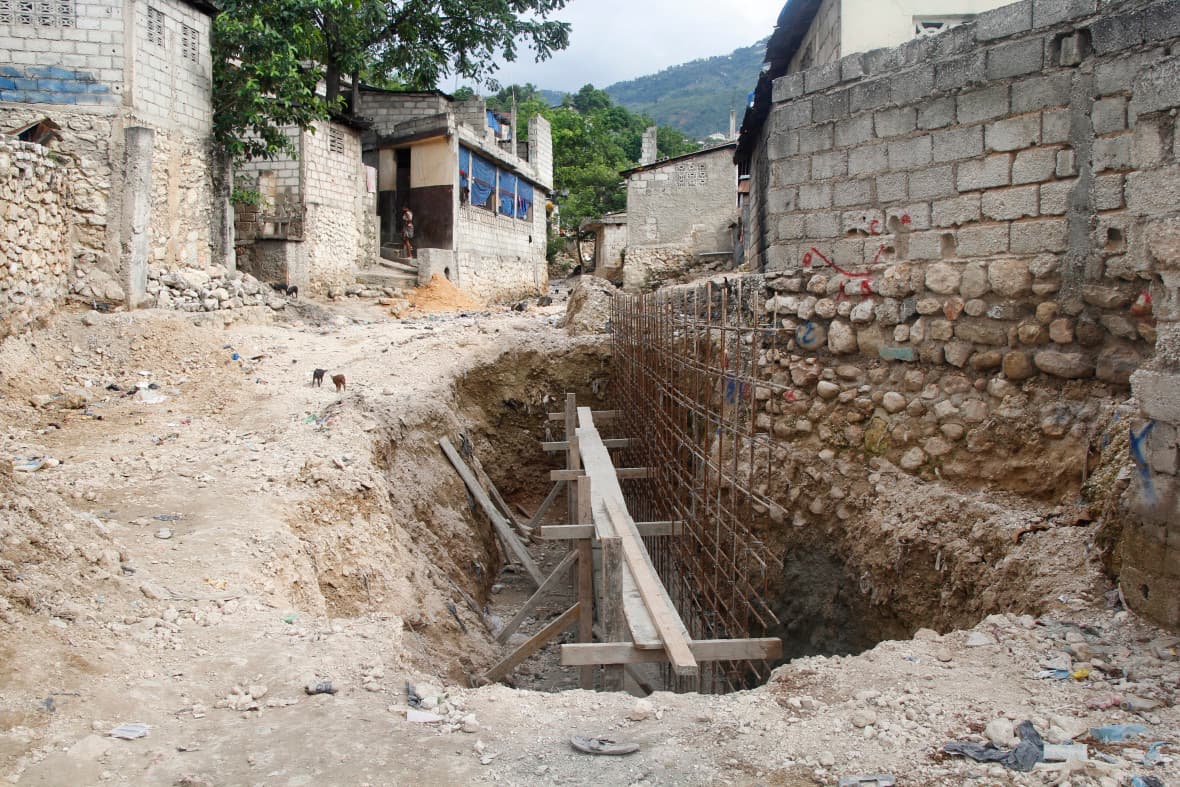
(769, 648)
(539, 517)
(535, 600)
(599, 415)
(574, 532)
(573, 459)
(585, 582)
(563, 445)
(503, 529)
(486, 481)
(614, 625)
(533, 644)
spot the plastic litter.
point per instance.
(422, 717)
(148, 396)
(31, 465)
(130, 731)
(321, 687)
(1146, 781)
(166, 517)
(288, 618)
(1116, 733)
(1066, 752)
(876, 780)
(602, 746)
(1028, 753)
(1053, 674)
(1153, 755)
(412, 697)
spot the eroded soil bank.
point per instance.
(194, 563)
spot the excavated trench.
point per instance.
(900, 555)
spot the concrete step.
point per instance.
(392, 252)
(401, 265)
(378, 278)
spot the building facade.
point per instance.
(129, 85)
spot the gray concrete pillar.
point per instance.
(138, 143)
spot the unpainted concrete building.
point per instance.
(129, 85)
(610, 243)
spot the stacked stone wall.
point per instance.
(35, 235)
(499, 257)
(988, 200)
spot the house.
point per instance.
(681, 214)
(477, 193)
(610, 243)
(128, 84)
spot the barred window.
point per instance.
(39, 13)
(335, 140)
(190, 44)
(155, 26)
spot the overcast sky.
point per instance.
(615, 40)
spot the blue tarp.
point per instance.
(493, 122)
(524, 199)
(464, 168)
(507, 193)
(483, 180)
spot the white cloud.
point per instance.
(616, 40)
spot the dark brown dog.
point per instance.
(338, 379)
(317, 376)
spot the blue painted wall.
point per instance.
(52, 85)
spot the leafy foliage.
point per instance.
(695, 97)
(593, 140)
(269, 54)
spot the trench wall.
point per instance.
(35, 234)
(990, 200)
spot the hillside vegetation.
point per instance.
(695, 97)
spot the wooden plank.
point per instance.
(602, 415)
(585, 583)
(503, 529)
(486, 481)
(613, 613)
(574, 532)
(573, 458)
(576, 655)
(563, 445)
(535, 522)
(533, 644)
(624, 473)
(551, 582)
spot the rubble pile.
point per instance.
(196, 290)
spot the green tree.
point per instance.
(269, 54)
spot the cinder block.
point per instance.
(813, 139)
(957, 143)
(868, 160)
(1055, 126)
(1042, 92)
(960, 71)
(1157, 88)
(1162, 21)
(1013, 133)
(821, 77)
(1015, 59)
(1116, 32)
(852, 192)
(891, 187)
(831, 106)
(877, 61)
(1107, 192)
(780, 144)
(854, 131)
(1050, 12)
(1066, 164)
(936, 113)
(932, 182)
(982, 240)
(1031, 237)
(852, 67)
(792, 227)
(1003, 22)
(956, 211)
(1112, 153)
(985, 104)
(815, 196)
(869, 95)
(1109, 115)
(822, 225)
(787, 87)
(1010, 204)
(1034, 165)
(914, 85)
(1055, 196)
(895, 122)
(925, 245)
(829, 165)
(910, 153)
(986, 173)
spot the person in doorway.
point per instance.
(407, 232)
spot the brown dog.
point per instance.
(338, 379)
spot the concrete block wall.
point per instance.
(985, 200)
(387, 110)
(35, 229)
(173, 76)
(499, 257)
(75, 59)
(821, 45)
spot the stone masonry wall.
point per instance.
(498, 257)
(983, 200)
(34, 235)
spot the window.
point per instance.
(335, 140)
(190, 44)
(39, 13)
(155, 26)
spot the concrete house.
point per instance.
(128, 83)
(476, 192)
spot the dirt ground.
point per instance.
(195, 536)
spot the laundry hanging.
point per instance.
(524, 199)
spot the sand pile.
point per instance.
(439, 295)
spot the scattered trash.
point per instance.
(148, 396)
(602, 746)
(1146, 781)
(288, 618)
(1066, 752)
(876, 780)
(130, 731)
(1117, 733)
(30, 465)
(49, 705)
(168, 517)
(166, 438)
(1153, 756)
(321, 687)
(1138, 704)
(1028, 753)
(412, 698)
(164, 533)
(422, 717)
